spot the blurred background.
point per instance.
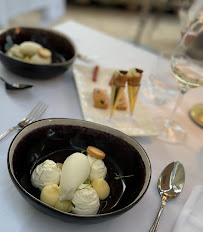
(152, 24)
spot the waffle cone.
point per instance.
(115, 97)
(132, 93)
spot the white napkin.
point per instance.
(191, 216)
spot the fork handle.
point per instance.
(8, 132)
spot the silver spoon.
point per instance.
(15, 86)
(170, 185)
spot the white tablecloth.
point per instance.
(61, 95)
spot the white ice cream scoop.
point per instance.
(75, 172)
(97, 168)
(85, 201)
(45, 173)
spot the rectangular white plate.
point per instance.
(140, 124)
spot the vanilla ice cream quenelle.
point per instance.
(75, 172)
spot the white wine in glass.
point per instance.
(187, 67)
(188, 74)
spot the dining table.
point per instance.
(61, 95)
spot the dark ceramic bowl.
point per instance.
(63, 52)
(55, 138)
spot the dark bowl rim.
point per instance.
(129, 206)
(68, 39)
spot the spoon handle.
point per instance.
(157, 219)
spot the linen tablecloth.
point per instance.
(61, 96)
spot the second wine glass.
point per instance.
(187, 67)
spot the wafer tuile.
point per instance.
(134, 78)
(118, 85)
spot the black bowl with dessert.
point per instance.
(78, 171)
(37, 53)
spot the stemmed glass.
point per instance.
(187, 67)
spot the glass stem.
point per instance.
(179, 100)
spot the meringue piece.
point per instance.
(50, 194)
(85, 201)
(75, 171)
(102, 188)
(45, 173)
(97, 168)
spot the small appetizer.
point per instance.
(118, 85)
(101, 99)
(134, 78)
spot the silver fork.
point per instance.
(34, 115)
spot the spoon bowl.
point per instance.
(170, 185)
(171, 180)
(15, 86)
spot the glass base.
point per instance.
(196, 113)
(170, 132)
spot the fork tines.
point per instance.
(36, 113)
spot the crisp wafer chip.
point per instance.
(97, 153)
(44, 52)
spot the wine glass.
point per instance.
(159, 87)
(187, 67)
